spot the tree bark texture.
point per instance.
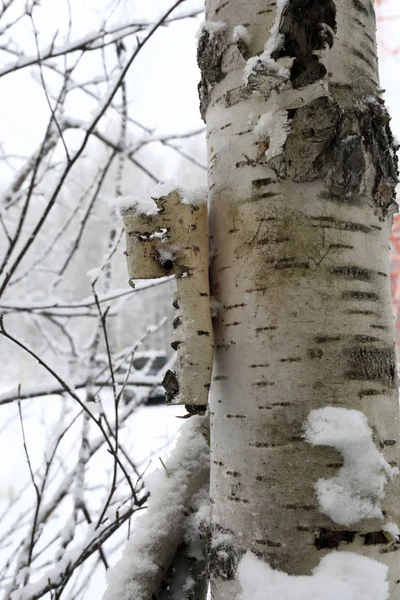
(301, 177)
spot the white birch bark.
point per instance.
(301, 178)
(171, 238)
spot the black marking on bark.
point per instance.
(332, 223)
(268, 195)
(314, 353)
(361, 296)
(353, 273)
(364, 339)
(265, 445)
(229, 416)
(218, 463)
(220, 378)
(271, 328)
(233, 473)
(323, 339)
(307, 26)
(370, 392)
(255, 366)
(290, 359)
(376, 537)
(176, 322)
(233, 324)
(237, 499)
(389, 442)
(268, 241)
(175, 345)
(298, 507)
(203, 294)
(341, 247)
(175, 303)
(210, 49)
(358, 5)
(231, 306)
(171, 385)
(361, 312)
(221, 6)
(371, 364)
(329, 539)
(224, 553)
(263, 383)
(258, 183)
(203, 332)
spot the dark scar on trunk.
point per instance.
(307, 26)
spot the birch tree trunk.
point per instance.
(301, 176)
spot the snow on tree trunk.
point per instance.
(301, 177)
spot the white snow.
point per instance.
(274, 41)
(139, 205)
(393, 529)
(241, 33)
(339, 576)
(355, 492)
(169, 489)
(211, 27)
(276, 127)
(193, 195)
(93, 274)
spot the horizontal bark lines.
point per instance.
(300, 237)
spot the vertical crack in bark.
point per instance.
(308, 26)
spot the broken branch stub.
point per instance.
(172, 239)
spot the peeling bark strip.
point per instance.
(211, 46)
(339, 146)
(171, 238)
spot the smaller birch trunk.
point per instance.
(158, 536)
(171, 238)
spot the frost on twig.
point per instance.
(356, 491)
(169, 236)
(160, 531)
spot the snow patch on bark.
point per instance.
(355, 493)
(241, 33)
(274, 126)
(339, 576)
(393, 529)
(274, 42)
(211, 27)
(193, 195)
(142, 206)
